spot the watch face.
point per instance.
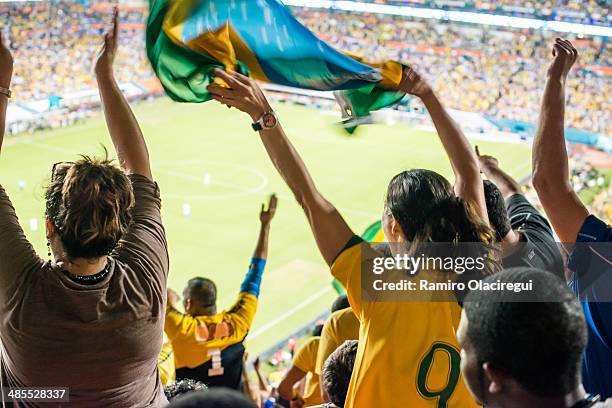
(269, 120)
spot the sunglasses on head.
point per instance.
(59, 165)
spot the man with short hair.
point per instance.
(526, 236)
(337, 372)
(208, 345)
(340, 303)
(524, 349)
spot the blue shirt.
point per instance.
(591, 264)
(252, 280)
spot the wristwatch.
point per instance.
(267, 121)
(6, 92)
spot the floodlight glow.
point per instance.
(458, 16)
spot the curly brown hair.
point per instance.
(89, 202)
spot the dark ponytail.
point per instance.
(453, 220)
(428, 211)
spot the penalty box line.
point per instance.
(311, 299)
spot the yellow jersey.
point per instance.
(305, 359)
(408, 355)
(341, 326)
(210, 348)
(165, 364)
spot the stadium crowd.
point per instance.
(104, 297)
(481, 69)
(476, 69)
(54, 42)
(585, 179)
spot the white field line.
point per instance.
(256, 191)
(311, 299)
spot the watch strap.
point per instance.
(260, 124)
(6, 92)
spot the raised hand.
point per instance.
(330, 230)
(173, 297)
(550, 169)
(485, 161)
(243, 94)
(265, 216)
(106, 56)
(413, 84)
(490, 167)
(6, 64)
(125, 132)
(564, 57)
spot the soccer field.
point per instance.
(187, 142)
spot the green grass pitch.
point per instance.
(217, 239)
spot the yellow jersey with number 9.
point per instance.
(408, 354)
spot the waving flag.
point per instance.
(187, 39)
(374, 233)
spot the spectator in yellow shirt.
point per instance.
(208, 345)
(408, 354)
(302, 370)
(341, 326)
(306, 361)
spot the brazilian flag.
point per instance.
(187, 39)
(374, 234)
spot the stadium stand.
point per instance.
(44, 36)
(489, 70)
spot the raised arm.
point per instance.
(261, 382)
(468, 182)
(6, 73)
(265, 217)
(252, 281)
(506, 184)
(122, 125)
(286, 388)
(18, 259)
(550, 165)
(330, 230)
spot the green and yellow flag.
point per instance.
(374, 233)
(187, 39)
